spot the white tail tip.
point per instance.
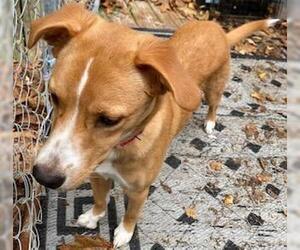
(272, 22)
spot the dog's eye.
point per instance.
(54, 99)
(107, 121)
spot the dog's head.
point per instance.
(104, 85)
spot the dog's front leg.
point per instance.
(101, 188)
(123, 233)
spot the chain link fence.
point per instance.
(31, 113)
(5, 125)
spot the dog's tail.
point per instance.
(247, 29)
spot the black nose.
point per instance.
(47, 178)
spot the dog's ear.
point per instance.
(159, 59)
(60, 26)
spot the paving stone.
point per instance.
(272, 190)
(227, 94)
(255, 220)
(152, 190)
(237, 113)
(253, 147)
(276, 83)
(231, 246)
(254, 106)
(237, 79)
(211, 189)
(233, 164)
(186, 219)
(198, 144)
(157, 246)
(219, 127)
(283, 165)
(267, 128)
(186, 171)
(173, 161)
(246, 68)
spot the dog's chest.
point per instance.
(108, 171)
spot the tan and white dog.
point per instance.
(120, 97)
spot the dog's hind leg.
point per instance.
(101, 188)
(123, 233)
(213, 95)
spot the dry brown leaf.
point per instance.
(166, 187)
(203, 15)
(285, 212)
(179, 3)
(87, 242)
(191, 6)
(258, 96)
(263, 163)
(258, 196)
(245, 48)
(164, 7)
(228, 200)
(251, 131)
(251, 41)
(191, 212)
(264, 177)
(271, 124)
(216, 166)
(262, 74)
(185, 11)
(281, 133)
(270, 98)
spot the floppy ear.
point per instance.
(160, 58)
(59, 27)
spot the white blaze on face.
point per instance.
(61, 144)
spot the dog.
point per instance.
(120, 96)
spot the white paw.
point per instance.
(121, 236)
(209, 126)
(89, 220)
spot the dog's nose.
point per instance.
(50, 179)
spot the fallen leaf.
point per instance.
(216, 166)
(258, 196)
(250, 41)
(285, 212)
(271, 124)
(245, 48)
(262, 74)
(281, 133)
(191, 212)
(228, 200)
(258, 96)
(164, 7)
(263, 163)
(264, 177)
(166, 187)
(270, 98)
(87, 242)
(251, 131)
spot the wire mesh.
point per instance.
(31, 112)
(5, 125)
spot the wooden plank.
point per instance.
(122, 18)
(173, 16)
(142, 16)
(180, 19)
(164, 17)
(149, 15)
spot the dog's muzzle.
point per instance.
(47, 177)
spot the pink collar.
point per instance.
(129, 140)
